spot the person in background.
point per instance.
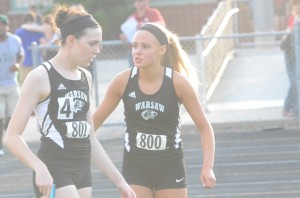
(143, 14)
(28, 38)
(52, 36)
(290, 108)
(59, 91)
(152, 93)
(38, 17)
(280, 7)
(11, 57)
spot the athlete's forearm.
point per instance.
(208, 147)
(19, 148)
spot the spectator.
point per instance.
(38, 18)
(280, 14)
(290, 103)
(28, 37)
(11, 56)
(143, 14)
(52, 36)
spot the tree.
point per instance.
(110, 13)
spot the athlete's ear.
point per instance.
(70, 40)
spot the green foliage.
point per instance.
(109, 13)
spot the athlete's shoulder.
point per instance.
(39, 73)
(179, 75)
(123, 76)
(180, 80)
(37, 80)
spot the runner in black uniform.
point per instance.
(152, 93)
(153, 135)
(65, 130)
(59, 91)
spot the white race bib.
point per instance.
(151, 142)
(78, 129)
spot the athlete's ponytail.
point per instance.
(175, 56)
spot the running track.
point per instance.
(248, 164)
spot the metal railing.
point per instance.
(214, 56)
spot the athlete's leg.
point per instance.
(67, 191)
(142, 191)
(85, 192)
(174, 193)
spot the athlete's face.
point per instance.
(146, 49)
(88, 46)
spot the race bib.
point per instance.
(151, 142)
(79, 129)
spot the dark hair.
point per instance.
(64, 14)
(49, 21)
(160, 35)
(29, 17)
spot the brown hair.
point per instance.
(63, 14)
(29, 17)
(49, 21)
(175, 57)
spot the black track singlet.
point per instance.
(62, 119)
(152, 121)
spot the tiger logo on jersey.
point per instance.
(149, 114)
(78, 105)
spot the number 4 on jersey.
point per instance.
(66, 108)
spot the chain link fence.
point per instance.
(240, 77)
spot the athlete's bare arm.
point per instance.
(189, 98)
(34, 90)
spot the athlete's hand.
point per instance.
(43, 179)
(208, 178)
(126, 191)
